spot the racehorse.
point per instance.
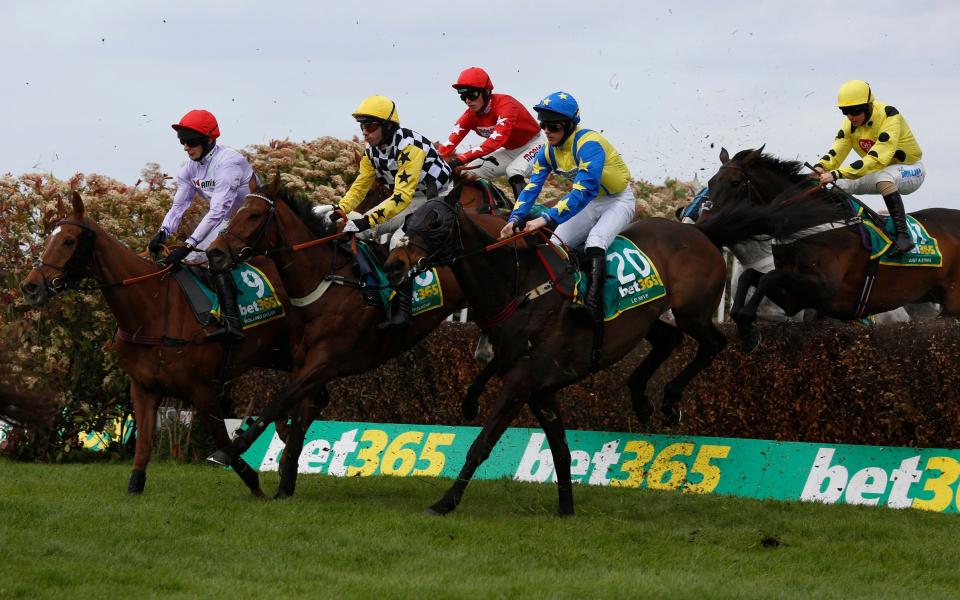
(541, 344)
(159, 342)
(25, 409)
(341, 335)
(829, 270)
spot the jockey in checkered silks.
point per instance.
(404, 160)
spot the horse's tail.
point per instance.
(23, 409)
(741, 222)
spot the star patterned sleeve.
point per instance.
(835, 156)
(460, 130)
(528, 196)
(586, 185)
(360, 186)
(882, 152)
(499, 137)
(409, 165)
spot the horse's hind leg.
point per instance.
(293, 441)
(145, 415)
(218, 431)
(470, 407)
(664, 339)
(710, 342)
(513, 395)
(544, 407)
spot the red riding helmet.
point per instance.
(474, 77)
(201, 121)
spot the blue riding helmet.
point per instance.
(559, 103)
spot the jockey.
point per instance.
(601, 203)
(403, 159)
(221, 176)
(889, 161)
(512, 135)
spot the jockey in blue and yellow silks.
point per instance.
(601, 203)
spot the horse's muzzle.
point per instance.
(218, 259)
(34, 294)
(395, 271)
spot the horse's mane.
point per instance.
(303, 208)
(789, 168)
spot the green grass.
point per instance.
(71, 532)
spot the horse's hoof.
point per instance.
(282, 495)
(564, 513)
(672, 416)
(220, 458)
(138, 480)
(644, 411)
(440, 509)
(750, 341)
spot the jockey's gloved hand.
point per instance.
(335, 215)
(156, 242)
(357, 225)
(455, 162)
(176, 255)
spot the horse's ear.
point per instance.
(724, 156)
(754, 154)
(273, 188)
(61, 209)
(77, 201)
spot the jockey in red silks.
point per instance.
(512, 135)
(221, 176)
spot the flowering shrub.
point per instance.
(64, 347)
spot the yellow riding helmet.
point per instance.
(378, 107)
(854, 93)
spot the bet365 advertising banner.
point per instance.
(894, 477)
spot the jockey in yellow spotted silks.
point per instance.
(403, 160)
(889, 162)
(601, 203)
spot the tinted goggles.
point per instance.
(192, 140)
(553, 126)
(369, 126)
(466, 95)
(854, 110)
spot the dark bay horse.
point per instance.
(541, 344)
(829, 270)
(26, 409)
(340, 333)
(160, 344)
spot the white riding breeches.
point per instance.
(599, 222)
(907, 178)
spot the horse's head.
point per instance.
(431, 239)
(750, 176)
(66, 256)
(248, 233)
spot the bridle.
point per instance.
(67, 278)
(251, 241)
(752, 190)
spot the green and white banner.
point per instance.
(894, 477)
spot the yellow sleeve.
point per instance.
(836, 155)
(360, 186)
(880, 154)
(409, 164)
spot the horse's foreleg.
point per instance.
(293, 441)
(145, 415)
(470, 407)
(664, 339)
(218, 431)
(544, 407)
(514, 394)
(710, 342)
(748, 279)
(747, 316)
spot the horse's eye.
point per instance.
(735, 183)
(69, 242)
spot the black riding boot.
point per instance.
(400, 310)
(517, 183)
(903, 243)
(231, 329)
(597, 270)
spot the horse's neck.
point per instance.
(112, 263)
(301, 271)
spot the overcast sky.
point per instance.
(94, 86)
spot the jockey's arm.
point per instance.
(836, 155)
(222, 198)
(528, 197)
(586, 185)
(460, 130)
(493, 143)
(360, 186)
(409, 166)
(181, 202)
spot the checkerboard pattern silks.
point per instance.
(435, 172)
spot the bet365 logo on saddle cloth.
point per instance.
(427, 294)
(632, 279)
(256, 297)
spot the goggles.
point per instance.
(191, 139)
(553, 126)
(469, 95)
(854, 110)
(369, 126)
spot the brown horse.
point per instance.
(830, 270)
(341, 335)
(541, 344)
(160, 344)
